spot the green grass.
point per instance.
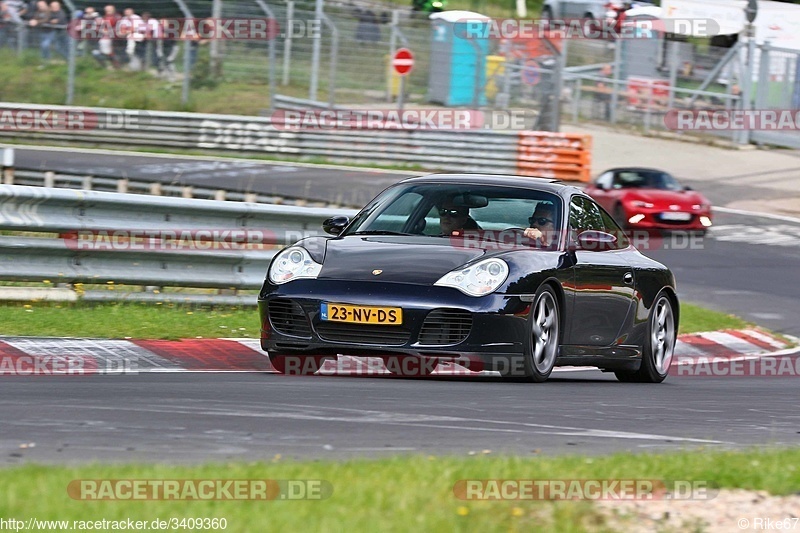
(395, 494)
(176, 321)
(134, 320)
(695, 318)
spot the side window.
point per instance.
(614, 229)
(604, 181)
(584, 215)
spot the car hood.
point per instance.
(403, 259)
(662, 198)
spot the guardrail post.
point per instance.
(216, 14)
(8, 166)
(71, 58)
(392, 50)
(50, 179)
(271, 44)
(187, 60)
(22, 39)
(648, 108)
(333, 61)
(122, 185)
(287, 44)
(673, 72)
(561, 65)
(87, 183)
(762, 89)
(576, 95)
(315, 52)
(155, 189)
(617, 73)
(187, 192)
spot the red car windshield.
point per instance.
(646, 179)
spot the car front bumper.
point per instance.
(438, 322)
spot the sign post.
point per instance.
(403, 64)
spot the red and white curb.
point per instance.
(58, 356)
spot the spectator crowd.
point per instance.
(116, 41)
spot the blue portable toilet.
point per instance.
(459, 47)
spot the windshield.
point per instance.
(443, 210)
(646, 179)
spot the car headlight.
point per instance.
(639, 203)
(484, 277)
(701, 207)
(291, 264)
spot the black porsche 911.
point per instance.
(504, 273)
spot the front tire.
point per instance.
(659, 346)
(544, 336)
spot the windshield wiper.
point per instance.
(378, 232)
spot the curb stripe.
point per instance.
(764, 337)
(103, 356)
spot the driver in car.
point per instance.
(542, 225)
(455, 218)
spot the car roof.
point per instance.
(509, 180)
(634, 169)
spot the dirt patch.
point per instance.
(730, 510)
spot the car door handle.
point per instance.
(628, 278)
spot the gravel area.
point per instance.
(729, 511)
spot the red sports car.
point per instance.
(646, 198)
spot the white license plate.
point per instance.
(683, 217)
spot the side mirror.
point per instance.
(687, 188)
(601, 186)
(335, 225)
(594, 240)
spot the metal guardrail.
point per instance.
(35, 210)
(38, 178)
(454, 150)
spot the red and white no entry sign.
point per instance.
(403, 61)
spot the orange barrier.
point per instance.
(564, 156)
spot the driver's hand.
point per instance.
(535, 234)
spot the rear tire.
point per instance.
(659, 346)
(296, 365)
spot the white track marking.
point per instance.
(772, 216)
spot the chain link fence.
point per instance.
(343, 59)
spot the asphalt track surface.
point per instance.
(748, 266)
(344, 186)
(190, 418)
